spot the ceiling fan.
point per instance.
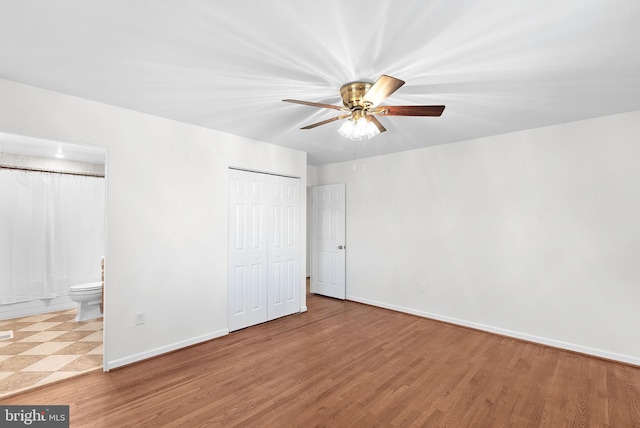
(361, 106)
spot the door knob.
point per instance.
(340, 247)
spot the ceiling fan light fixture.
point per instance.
(357, 129)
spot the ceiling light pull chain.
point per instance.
(364, 155)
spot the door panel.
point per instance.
(328, 240)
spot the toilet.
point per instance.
(88, 296)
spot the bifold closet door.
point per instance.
(264, 248)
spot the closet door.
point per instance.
(284, 247)
(264, 248)
(248, 250)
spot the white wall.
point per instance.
(312, 180)
(167, 202)
(534, 234)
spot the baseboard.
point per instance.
(25, 309)
(119, 362)
(627, 359)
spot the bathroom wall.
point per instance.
(533, 234)
(167, 219)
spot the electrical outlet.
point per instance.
(140, 318)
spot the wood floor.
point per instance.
(346, 364)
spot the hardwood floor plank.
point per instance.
(348, 364)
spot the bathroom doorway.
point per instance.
(60, 189)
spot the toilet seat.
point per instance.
(89, 286)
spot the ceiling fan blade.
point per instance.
(321, 105)
(380, 91)
(333, 119)
(376, 122)
(409, 110)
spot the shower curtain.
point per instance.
(51, 233)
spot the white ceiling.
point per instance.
(498, 65)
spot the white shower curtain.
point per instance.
(51, 233)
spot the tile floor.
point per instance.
(46, 348)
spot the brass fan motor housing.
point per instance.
(352, 94)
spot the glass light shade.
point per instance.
(372, 130)
(346, 129)
(358, 129)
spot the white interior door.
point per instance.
(284, 247)
(264, 248)
(248, 250)
(328, 246)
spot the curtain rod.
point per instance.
(81, 174)
(262, 172)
